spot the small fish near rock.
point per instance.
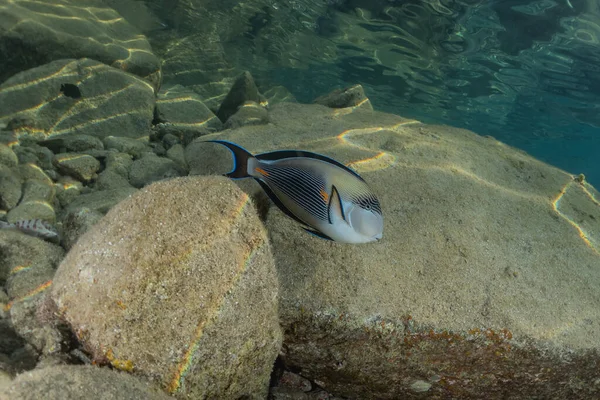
(70, 90)
(34, 227)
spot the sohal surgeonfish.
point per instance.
(329, 199)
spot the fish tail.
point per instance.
(241, 157)
(5, 225)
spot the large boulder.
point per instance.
(36, 33)
(82, 96)
(177, 283)
(485, 280)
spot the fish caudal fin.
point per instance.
(240, 159)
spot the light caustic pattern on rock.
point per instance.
(41, 288)
(98, 19)
(586, 234)
(383, 160)
(112, 101)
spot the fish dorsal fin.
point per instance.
(280, 154)
(335, 208)
(278, 202)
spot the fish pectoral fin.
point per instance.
(335, 210)
(317, 234)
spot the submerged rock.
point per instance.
(76, 222)
(249, 113)
(10, 188)
(74, 382)
(353, 96)
(100, 200)
(37, 33)
(244, 89)
(182, 113)
(73, 143)
(27, 263)
(484, 281)
(178, 278)
(152, 168)
(131, 146)
(8, 158)
(82, 167)
(112, 101)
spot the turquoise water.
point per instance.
(525, 72)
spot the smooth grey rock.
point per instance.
(169, 140)
(177, 154)
(35, 190)
(353, 96)
(27, 155)
(10, 188)
(207, 158)
(182, 113)
(119, 163)
(279, 94)
(35, 154)
(33, 172)
(8, 158)
(76, 222)
(112, 101)
(110, 179)
(68, 189)
(35, 33)
(27, 262)
(244, 89)
(100, 201)
(32, 210)
(82, 167)
(158, 148)
(72, 144)
(75, 382)
(249, 113)
(152, 168)
(126, 145)
(31, 324)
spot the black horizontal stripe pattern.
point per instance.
(300, 185)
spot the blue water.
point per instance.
(525, 72)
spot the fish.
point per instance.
(70, 90)
(329, 199)
(34, 227)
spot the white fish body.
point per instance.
(315, 190)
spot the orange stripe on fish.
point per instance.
(261, 171)
(324, 195)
